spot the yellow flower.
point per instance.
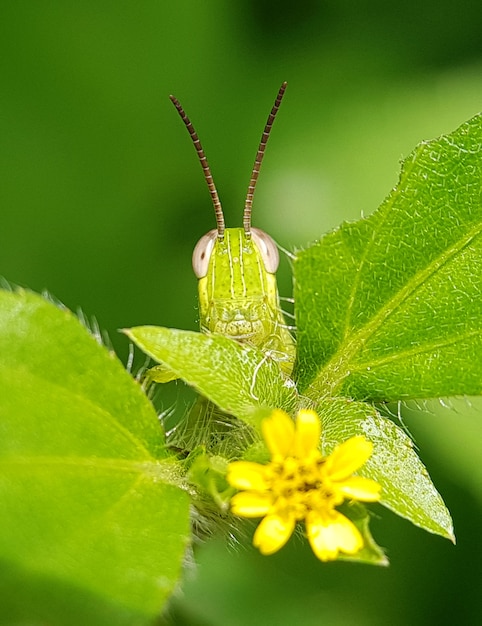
(299, 483)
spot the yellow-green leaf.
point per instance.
(93, 523)
(239, 379)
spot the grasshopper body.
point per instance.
(236, 267)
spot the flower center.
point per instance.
(300, 486)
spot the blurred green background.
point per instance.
(102, 201)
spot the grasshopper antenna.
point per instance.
(259, 158)
(218, 210)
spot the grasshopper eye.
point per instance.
(202, 253)
(267, 248)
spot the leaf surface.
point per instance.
(407, 488)
(390, 307)
(89, 501)
(239, 379)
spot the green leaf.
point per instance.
(91, 516)
(371, 553)
(390, 307)
(406, 486)
(239, 379)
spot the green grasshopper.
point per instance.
(238, 293)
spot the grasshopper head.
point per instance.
(237, 284)
(238, 296)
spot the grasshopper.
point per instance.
(236, 268)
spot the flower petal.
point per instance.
(360, 488)
(308, 432)
(251, 504)
(247, 475)
(278, 432)
(333, 533)
(273, 532)
(348, 457)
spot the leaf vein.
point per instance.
(418, 350)
(339, 367)
(387, 206)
